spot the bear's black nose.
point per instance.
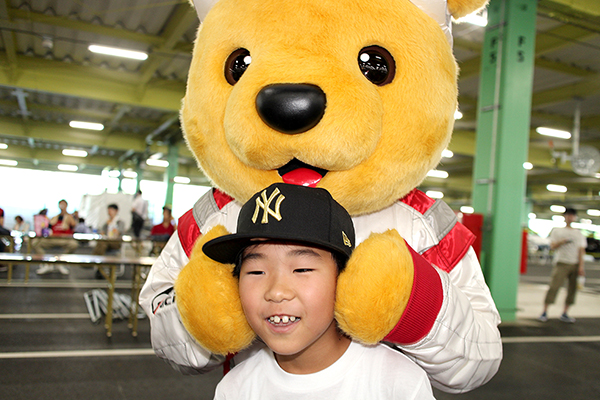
(291, 108)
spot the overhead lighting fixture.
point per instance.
(94, 126)
(114, 173)
(434, 194)
(556, 188)
(458, 115)
(593, 212)
(182, 179)
(436, 173)
(528, 166)
(558, 209)
(68, 167)
(157, 163)
(585, 221)
(9, 163)
(553, 132)
(75, 153)
(130, 174)
(558, 218)
(532, 216)
(447, 154)
(117, 52)
(476, 18)
(467, 210)
(3, 146)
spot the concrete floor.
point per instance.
(49, 349)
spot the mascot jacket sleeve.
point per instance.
(458, 344)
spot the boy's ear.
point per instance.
(460, 8)
(202, 7)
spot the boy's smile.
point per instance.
(288, 295)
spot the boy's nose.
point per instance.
(279, 290)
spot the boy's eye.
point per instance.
(255, 273)
(301, 270)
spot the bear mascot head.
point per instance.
(356, 97)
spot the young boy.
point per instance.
(291, 244)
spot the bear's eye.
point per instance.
(236, 65)
(377, 65)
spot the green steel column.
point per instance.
(171, 171)
(503, 118)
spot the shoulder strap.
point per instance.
(454, 239)
(188, 228)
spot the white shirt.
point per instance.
(362, 372)
(568, 253)
(140, 206)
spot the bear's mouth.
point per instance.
(298, 173)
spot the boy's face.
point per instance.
(112, 212)
(287, 291)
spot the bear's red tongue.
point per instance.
(302, 177)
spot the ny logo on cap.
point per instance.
(265, 204)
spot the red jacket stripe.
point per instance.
(423, 305)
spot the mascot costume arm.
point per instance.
(414, 281)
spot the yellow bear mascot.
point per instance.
(356, 97)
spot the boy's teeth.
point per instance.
(276, 319)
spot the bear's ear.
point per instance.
(460, 8)
(203, 7)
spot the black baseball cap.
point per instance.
(290, 213)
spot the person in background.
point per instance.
(569, 245)
(160, 234)
(112, 230)
(139, 213)
(20, 225)
(81, 227)
(3, 232)
(62, 226)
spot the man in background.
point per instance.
(62, 227)
(139, 213)
(569, 245)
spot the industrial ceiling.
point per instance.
(48, 77)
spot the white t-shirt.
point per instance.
(362, 372)
(569, 252)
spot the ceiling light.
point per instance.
(3, 146)
(68, 167)
(181, 179)
(74, 153)
(475, 19)
(447, 154)
(553, 132)
(86, 125)
(467, 210)
(528, 166)
(532, 216)
(558, 209)
(115, 51)
(434, 194)
(9, 163)
(558, 218)
(585, 221)
(593, 212)
(114, 173)
(157, 163)
(130, 174)
(436, 173)
(458, 114)
(556, 188)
